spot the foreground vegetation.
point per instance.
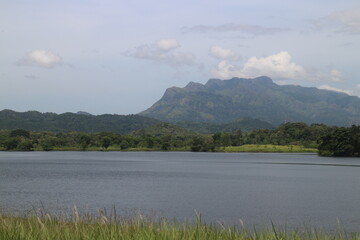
(46, 226)
(289, 137)
(162, 137)
(341, 142)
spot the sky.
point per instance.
(119, 56)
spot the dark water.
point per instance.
(299, 190)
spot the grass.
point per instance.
(101, 227)
(270, 148)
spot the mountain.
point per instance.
(84, 113)
(36, 121)
(221, 101)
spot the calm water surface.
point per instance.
(297, 189)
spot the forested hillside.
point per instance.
(123, 124)
(222, 101)
(36, 121)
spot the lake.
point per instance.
(300, 190)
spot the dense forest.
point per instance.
(81, 122)
(122, 124)
(331, 141)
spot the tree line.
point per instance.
(331, 141)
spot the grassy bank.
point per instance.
(270, 148)
(118, 149)
(105, 228)
(243, 148)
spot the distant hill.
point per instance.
(36, 121)
(222, 101)
(84, 113)
(245, 124)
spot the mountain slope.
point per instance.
(36, 121)
(221, 101)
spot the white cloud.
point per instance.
(278, 66)
(336, 76)
(342, 21)
(223, 53)
(41, 58)
(163, 51)
(327, 87)
(357, 90)
(225, 70)
(167, 44)
(328, 75)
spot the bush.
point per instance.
(25, 145)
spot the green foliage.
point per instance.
(270, 148)
(84, 141)
(289, 137)
(341, 142)
(202, 144)
(243, 124)
(20, 133)
(47, 146)
(289, 134)
(18, 144)
(166, 143)
(66, 122)
(163, 129)
(105, 142)
(25, 145)
(12, 143)
(197, 144)
(124, 145)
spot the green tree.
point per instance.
(197, 144)
(237, 138)
(25, 145)
(84, 141)
(12, 143)
(47, 146)
(217, 139)
(342, 142)
(124, 144)
(105, 142)
(225, 139)
(20, 133)
(166, 143)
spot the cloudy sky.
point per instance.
(119, 56)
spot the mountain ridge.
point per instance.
(65, 122)
(122, 124)
(221, 101)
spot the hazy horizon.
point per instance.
(118, 57)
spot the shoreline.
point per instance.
(247, 148)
